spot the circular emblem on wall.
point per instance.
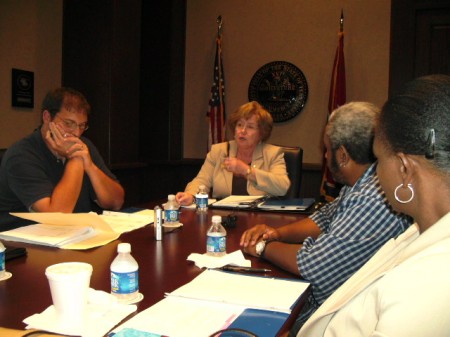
(281, 88)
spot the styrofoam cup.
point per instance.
(69, 285)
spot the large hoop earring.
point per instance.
(400, 200)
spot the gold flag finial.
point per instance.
(219, 25)
(341, 21)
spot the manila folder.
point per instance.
(103, 232)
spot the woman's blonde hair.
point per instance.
(246, 111)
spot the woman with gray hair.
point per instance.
(334, 242)
(403, 291)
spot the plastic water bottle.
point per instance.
(2, 261)
(124, 274)
(171, 211)
(201, 199)
(216, 238)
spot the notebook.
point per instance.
(296, 204)
(241, 303)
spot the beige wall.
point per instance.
(303, 32)
(30, 39)
(255, 32)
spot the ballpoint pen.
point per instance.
(245, 269)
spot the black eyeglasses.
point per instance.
(72, 126)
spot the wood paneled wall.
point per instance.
(127, 57)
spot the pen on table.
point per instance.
(245, 269)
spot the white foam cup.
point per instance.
(69, 285)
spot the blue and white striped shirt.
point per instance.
(353, 227)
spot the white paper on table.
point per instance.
(49, 235)
(175, 317)
(64, 225)
(209, 303)
(103, 313)
(126, 222)
(238, 201)
(205, 261)
(250, 291)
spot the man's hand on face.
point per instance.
(58, 141)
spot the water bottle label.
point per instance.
(172, 215)
(216, 244)
(124, 283)
(201, 200)
(2, 261)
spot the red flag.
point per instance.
(216, 110)
(330, 189)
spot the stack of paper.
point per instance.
(49, 235)
(63, 230)
(248, 291)
(217, 300)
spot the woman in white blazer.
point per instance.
(246, 165)
(404, 290)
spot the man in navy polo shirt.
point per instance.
(56, 169)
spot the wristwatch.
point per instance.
(260, 246)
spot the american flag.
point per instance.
(330, 189)
(216, 109)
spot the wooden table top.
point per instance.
(162, 264)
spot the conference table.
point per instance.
(163, 265)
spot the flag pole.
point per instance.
(216, 107)
(329, 188)
(219, 26)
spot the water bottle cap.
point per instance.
(124, 248)
(216, 218)
(171, 197)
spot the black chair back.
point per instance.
(293, 156)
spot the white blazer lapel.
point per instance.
(384, 260)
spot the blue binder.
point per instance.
(262, 323)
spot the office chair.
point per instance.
(293, 156)
(2, 153)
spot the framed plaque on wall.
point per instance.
(22, 88)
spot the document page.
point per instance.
(87, 230)
(238, 201)
(48, 235)
(178, 317)
(126, 222)
(246, 290)
(217, 300)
